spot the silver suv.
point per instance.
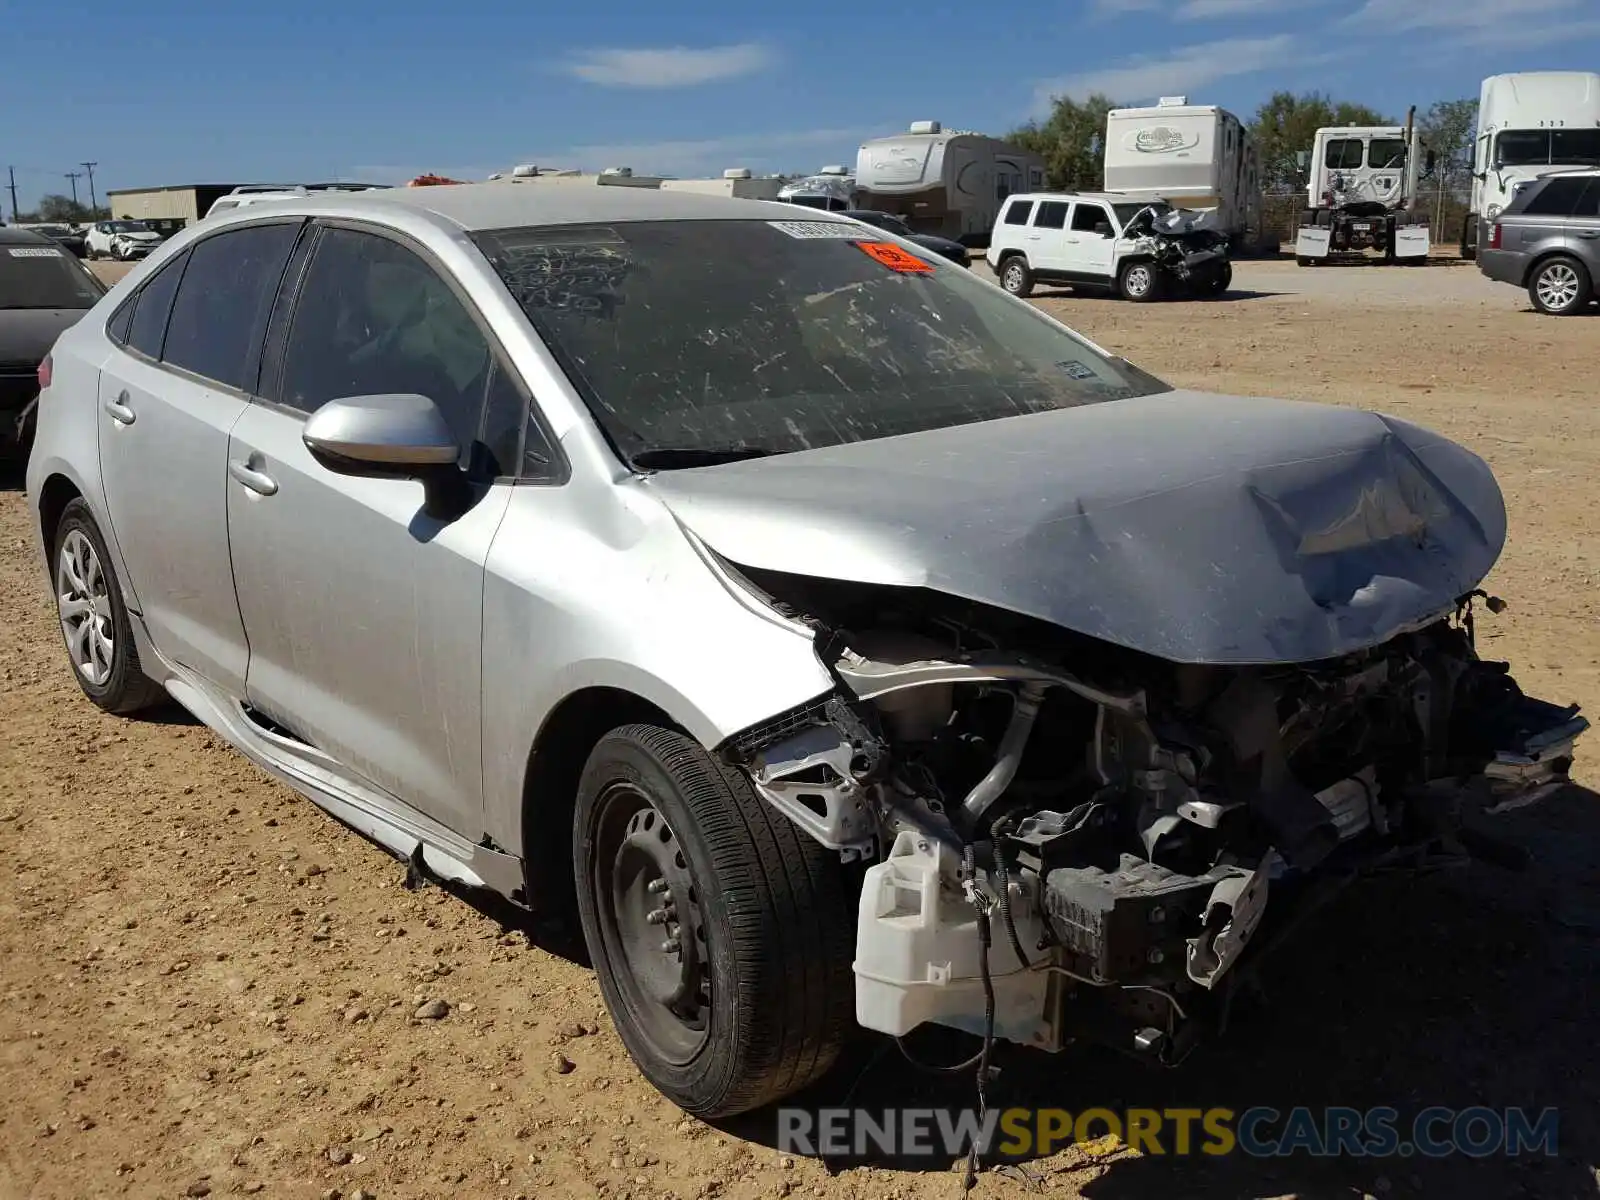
(1548, 241)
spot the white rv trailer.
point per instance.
(945, 182)
(738, 183)
(1197, 157)
(832, 189)
(1529, 124)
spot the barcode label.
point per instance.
(822, 229)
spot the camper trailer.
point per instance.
(1529, 124)
(1194, 156)
(737, 183)
(945, 182)
(832, 189)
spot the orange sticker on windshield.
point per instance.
(895, 258)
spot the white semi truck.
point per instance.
(1197, 157)
(949, 183)
(1361, 194)
(1529, 124)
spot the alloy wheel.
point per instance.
(84, 603)
(1557, 286)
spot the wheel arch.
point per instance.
(561, 748)
(55, 493)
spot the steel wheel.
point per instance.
(1557, 287)
(1138, 281)
(84, 602)
(651, 924)
(1015, 276)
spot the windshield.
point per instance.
(692, 339)
(45, 277)
(128, 227)
(1546, 147)
(1127, 212)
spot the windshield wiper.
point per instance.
(673, 457)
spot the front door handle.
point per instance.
(118, 409)
(258, 482)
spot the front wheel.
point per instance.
(1559, 286)
(94, 619)
(1218, 282)
(1138, 281)
(1015, 276)
(722, 936)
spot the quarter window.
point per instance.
(222, 305)
(1558, 198)
(1589, 203)
(150, 314)
(1018, 211)
(373, 318)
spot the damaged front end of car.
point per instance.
(1105, 851)
(1184, 246)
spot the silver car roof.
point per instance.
(504, 205)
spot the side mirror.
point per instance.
(1103, 228)
(1302, 159)
(402, 436)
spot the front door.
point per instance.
(1091, 240)
(364, 615)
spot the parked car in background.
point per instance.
(1139, 250)
(788, 604)
(66, 236)
(120, 240)
(43, 290)
(1547, 239)
(890, 223)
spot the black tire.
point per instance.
(1560, 286)
(767, 1008)
(1139, 281)
(1015, 277)
(1218, 282)
(88, 252)
(1469, 237)
(1302, 260)
(126, 688)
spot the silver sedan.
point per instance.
(837, 637)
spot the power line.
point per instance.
(72, 177)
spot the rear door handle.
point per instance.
(119, 411)
(258, 482)
(1589, 233)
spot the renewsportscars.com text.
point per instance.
(1260, 1132)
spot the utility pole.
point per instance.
(72, 178)
(94, 204)
(12, 171)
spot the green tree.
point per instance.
(1286, 124)
(64, 210)
(1449, 128)
(1071, 142)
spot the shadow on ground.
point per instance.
(1468, 988)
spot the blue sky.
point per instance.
(176, 92)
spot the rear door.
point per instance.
(169, 395)
(364, 614)
(1583, 228)
(1047, 239)
(1545, 222)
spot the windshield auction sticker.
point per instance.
(895, 258)
(35, 252)
(848, 230)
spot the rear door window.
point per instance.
(221, 309)
(1052, 215)
(149, 326)
(1558, 198)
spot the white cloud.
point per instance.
(1180, 70)
(669, 66)
(1487, 23)
(1201, 10)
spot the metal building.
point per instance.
(183, 203)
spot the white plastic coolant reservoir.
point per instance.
(918, 952)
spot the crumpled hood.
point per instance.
(1194, 527)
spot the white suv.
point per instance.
(121, 240)
(1100, 239)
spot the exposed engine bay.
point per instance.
(1071, 839)
(1185, 245)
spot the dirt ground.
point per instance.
(207, 986)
